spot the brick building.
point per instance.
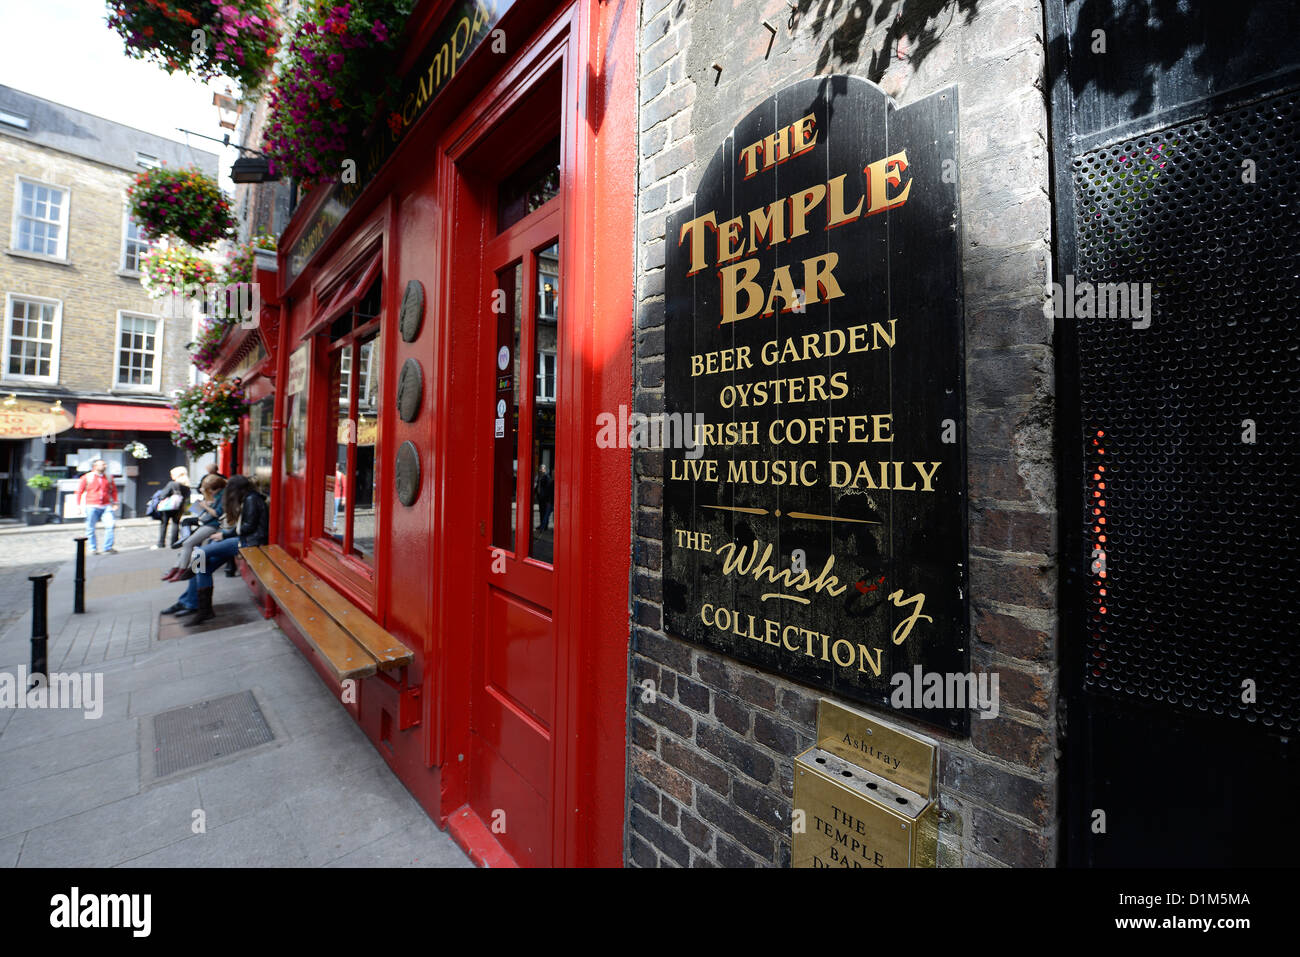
(81, 335)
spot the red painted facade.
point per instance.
(509, 726)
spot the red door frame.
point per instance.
(592, 554)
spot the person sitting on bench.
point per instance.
(245, 526)
(208, 513)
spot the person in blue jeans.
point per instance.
(245, 526)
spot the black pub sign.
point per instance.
(815, 472)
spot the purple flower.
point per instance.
(380, 31)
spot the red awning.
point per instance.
(124, 418)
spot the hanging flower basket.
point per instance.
(185, 204)
(239, 269)
(206, 349)
(208, 414)
(137, 450)
(168, 271)
(236, 38)
(326, 91)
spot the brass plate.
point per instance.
(411, 316)
(854, 818)
(893, 754)
(407, 474)
(410, 390)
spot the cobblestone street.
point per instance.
(36, 551)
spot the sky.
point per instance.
(64, 51)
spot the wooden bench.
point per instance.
(350, 644)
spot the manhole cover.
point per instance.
(199, 733)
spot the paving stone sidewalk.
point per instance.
(84, 792)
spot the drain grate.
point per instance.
(199, 733)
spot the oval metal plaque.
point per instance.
(410, 388)
(412, 313)
(408, 474)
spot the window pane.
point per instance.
(370, 356)
(336, 461)
(543, 451)
(529, 187)
(506, 429)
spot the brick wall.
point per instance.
(710, 753)
(90, 284)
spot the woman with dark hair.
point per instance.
(245, 525)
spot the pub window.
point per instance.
(353, 359)
(40, 219)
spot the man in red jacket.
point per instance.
(97, 493)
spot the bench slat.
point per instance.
(346, 658)
(389, 653)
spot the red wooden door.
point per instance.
(512, 708)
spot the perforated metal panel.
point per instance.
(194, 735)
(1197, 525)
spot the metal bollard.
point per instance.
(79, 583)
(40, 628)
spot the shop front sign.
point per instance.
(815, 519)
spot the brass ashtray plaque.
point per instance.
(863, 795)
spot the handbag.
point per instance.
(171, 503)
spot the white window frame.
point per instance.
(538, 392)
(126, 226)
(118, 385)
(54, 351)
(64, 224)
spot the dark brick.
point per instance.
(1013, 637)
(649, 587)
(732, 713)
(739, 754)
(652, 283)
(642, 855)
(699, 860)
(644, 734)
(1018, 688)
(663, 777)
(1012, 531)
(642, 669)
(672, 653)
(648, 614)
(648, 553)
(1014, 742)
(756, 690)
(654, 198)
(650, 343)
(652, 373)
(779, 737)
(728, 854)
(696, 765)
(666, 714)
(969, 775)
(785, 772)
(696, 831)
(694, 696)
(713, 671)
(650, 313)
(1011, 843)
(762, 804)
(652, 257)
(798, 707)
(651, 494)
(654, 831)
(668, 813)
(643, 794)
(652, 141)
(649, 522)
(674, 158)
(668, 683)
(1027, 586)
(721, 814)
